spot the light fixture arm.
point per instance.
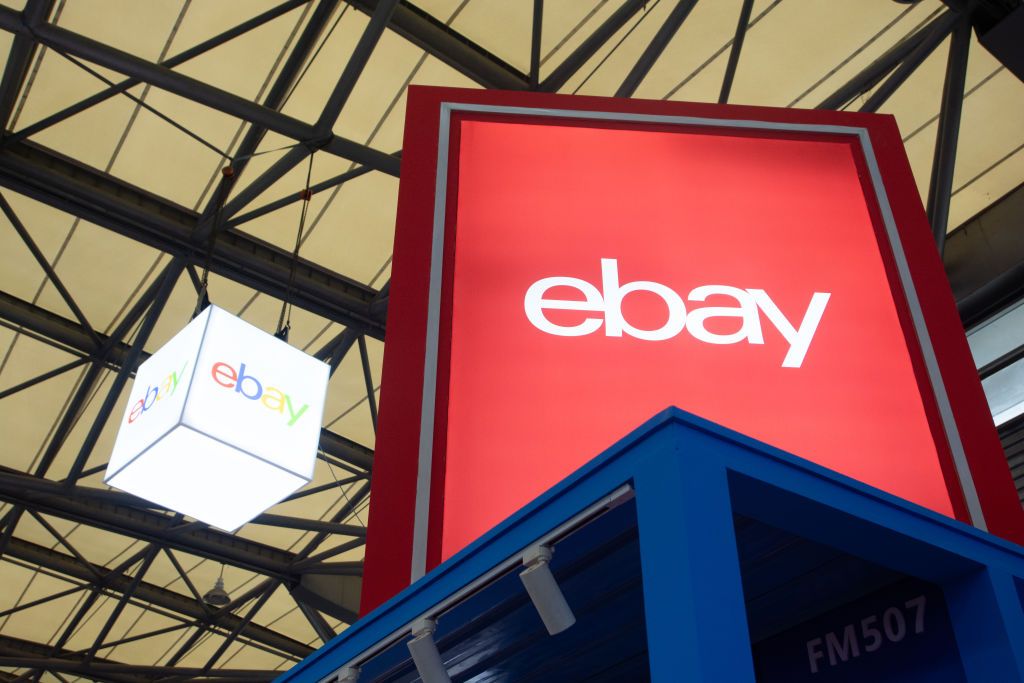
(547, 597)
(425, 654)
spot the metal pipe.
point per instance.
(737, 47)
(941, 186)
(655, 48)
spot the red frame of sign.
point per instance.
(393, 506)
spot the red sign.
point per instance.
(567, 267)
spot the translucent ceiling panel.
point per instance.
(1000, 337)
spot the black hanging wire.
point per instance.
(284, 321)
(203, 299)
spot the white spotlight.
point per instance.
(544, 592)
(349, 674)
(424, 653)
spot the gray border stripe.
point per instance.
(931, 362)
(426, 449)
(436, 265)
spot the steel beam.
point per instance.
(106, 201)
(654, 49)
(737, 47)
(589, 47)
(237, 631)
(168, 278)
(455, 50)
(316, 620)
(118, 673)
(535, 38)
(34, 654)
(110, 510)
(38, 379)
(23, 49)
(171, 601)
(355, 66)
(941, 186)
(93, 51)
(69, 336)
(44, 263)
(171, 62)
(371, 396)
(323, 126)
(868, 77)
(270, 207)
(283, 84)
(910, 64)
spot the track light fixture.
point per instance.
(424, 653)
(544, 592)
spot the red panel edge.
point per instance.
(1000, 504)
(393, 491)
(388, 560)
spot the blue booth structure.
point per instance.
(688, 552)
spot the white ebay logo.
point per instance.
(608, 302)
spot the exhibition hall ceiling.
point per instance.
(116, 188)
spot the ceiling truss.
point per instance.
(193, 239)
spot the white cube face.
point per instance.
(158, 396)
(221, 423)
(258, 394)
(203, 478)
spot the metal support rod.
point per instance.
(354, 67)
(535, 37)
(940, 188)
(42, 601)
(439, 40)
(737, 47)
(655, 48)
(193, 89)
(332, 109)
(589, 47)
(283, 84)
(335, 350)
(275, 99)
(90, 600)
(122, 601)
(327, 554)
(143, 636)
(341, 515)
(171, 62)
(51, 273)
(304, 493)
(111, 671)
(178, 605)
(111, 203)
(256, 607)
(27, 384)
(23, 48)
(277, 170)
(910, 64)
(876, 70)
(206, 623)
(184, 578)
(66, 543)
(64, 426)
(293, 197)
(371, 395)
(285, 522)
(169, 278)
(316, 620)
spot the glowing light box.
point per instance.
(222, 422)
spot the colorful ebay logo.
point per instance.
(242, 380)
(196, 437)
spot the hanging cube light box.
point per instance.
(222, 422)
